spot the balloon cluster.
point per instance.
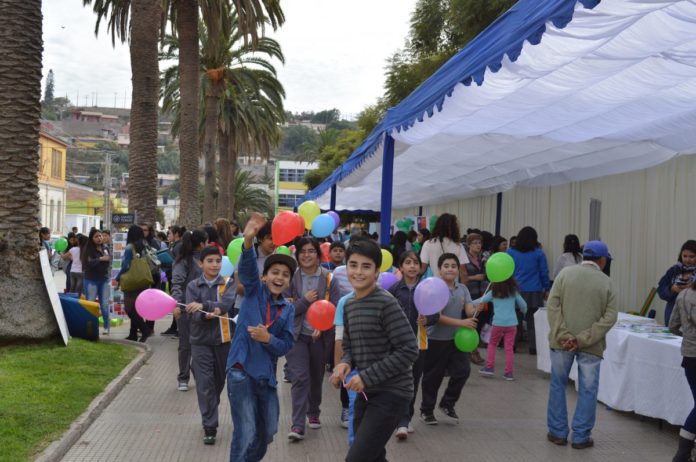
(405, 224)
(320, 224)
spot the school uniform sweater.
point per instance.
(207, 331)
(379, 342)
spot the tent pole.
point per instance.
(387, 189)
(332, 206)
(420, 211)
(498, 212)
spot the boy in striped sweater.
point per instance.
(379, 343)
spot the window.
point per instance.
(288, 200)
(595, 215)
(292, 174)
(56, 163)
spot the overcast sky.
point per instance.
(335, 53)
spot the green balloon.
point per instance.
(433, 220)
(101, 321)
(61, 244)
(466, 339)
(281, 249)
(234, 250)
(500, 267)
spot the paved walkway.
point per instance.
(500, 421)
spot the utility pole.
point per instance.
(107, 190)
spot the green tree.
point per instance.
(310, 152)
(326, 117)
(249, 197)
(50, 87)
(293, 138)
(331, 157)
(371, 115)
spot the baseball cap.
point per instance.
(282, 259)
(595, 249)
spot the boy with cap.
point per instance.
(264, 333)
(581, 310)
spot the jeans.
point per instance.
(255, 409)
(94, 289)
(588, 384)
(374, 422)
(508, 335)
(690, 424)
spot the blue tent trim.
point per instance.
(525, 21)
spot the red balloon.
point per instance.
(325, 251)
(320, 314)
(300, 225)
(283, 228)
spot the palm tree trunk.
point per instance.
(142, 156)
(232, 185)
(224, 191)
(212, 112)
(25, 310)
(187, 28)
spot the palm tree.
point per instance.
(310, 151)
(243, 111)
(250, 198)
(143, 30)
(25, 310)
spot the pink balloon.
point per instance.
(335, 216)
(386, 280)
(153, 304)
(431, 296)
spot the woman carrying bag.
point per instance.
(134, 277)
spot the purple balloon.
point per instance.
(335, 216)
(431, 296)
(386, 280)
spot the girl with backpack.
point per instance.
(138, 281)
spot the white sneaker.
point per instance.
(183, 386)
(401, 433)
(410, 428)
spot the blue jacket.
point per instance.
(531, 270)
(258, 358)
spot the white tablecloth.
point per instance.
(638, 374)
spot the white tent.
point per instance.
(554, 91)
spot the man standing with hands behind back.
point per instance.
(581, 311)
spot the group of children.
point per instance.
(381, 347)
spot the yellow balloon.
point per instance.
(309, 210)
(387, 260)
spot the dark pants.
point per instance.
(329, 339)
(184, 325)
(306, 362)
(374, 422)
(441, 356)
(690, 424)
(137, 322)
(534, 301)
(417, 374)
(345, 402)
(209, 363)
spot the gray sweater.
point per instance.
(296, 292)
(683, 321)
(379, 342)
(207, 331)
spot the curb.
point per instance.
(57, 449)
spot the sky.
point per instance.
(335, 53)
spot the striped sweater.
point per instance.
(379, 342)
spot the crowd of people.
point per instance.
(233, 329)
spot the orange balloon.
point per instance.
(283, 228)
(320, 314)
(325, 251)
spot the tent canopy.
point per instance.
(553, 91)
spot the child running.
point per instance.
(264, 333)
(379, 343)
(409, 266)
(443, 356)
(207, 298)
(505, 296)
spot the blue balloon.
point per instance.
(227, 267)
(323, 225)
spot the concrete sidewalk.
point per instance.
(500, 421)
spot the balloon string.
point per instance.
(484, 293)
(345, 385)
(204, 312)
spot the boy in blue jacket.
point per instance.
(264, 332)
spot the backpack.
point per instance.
(139, 275)
(150, 255)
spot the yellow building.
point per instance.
(290, 186)
(52, 161)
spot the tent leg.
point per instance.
(498, 212)
(387, 189)
(333, 198)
